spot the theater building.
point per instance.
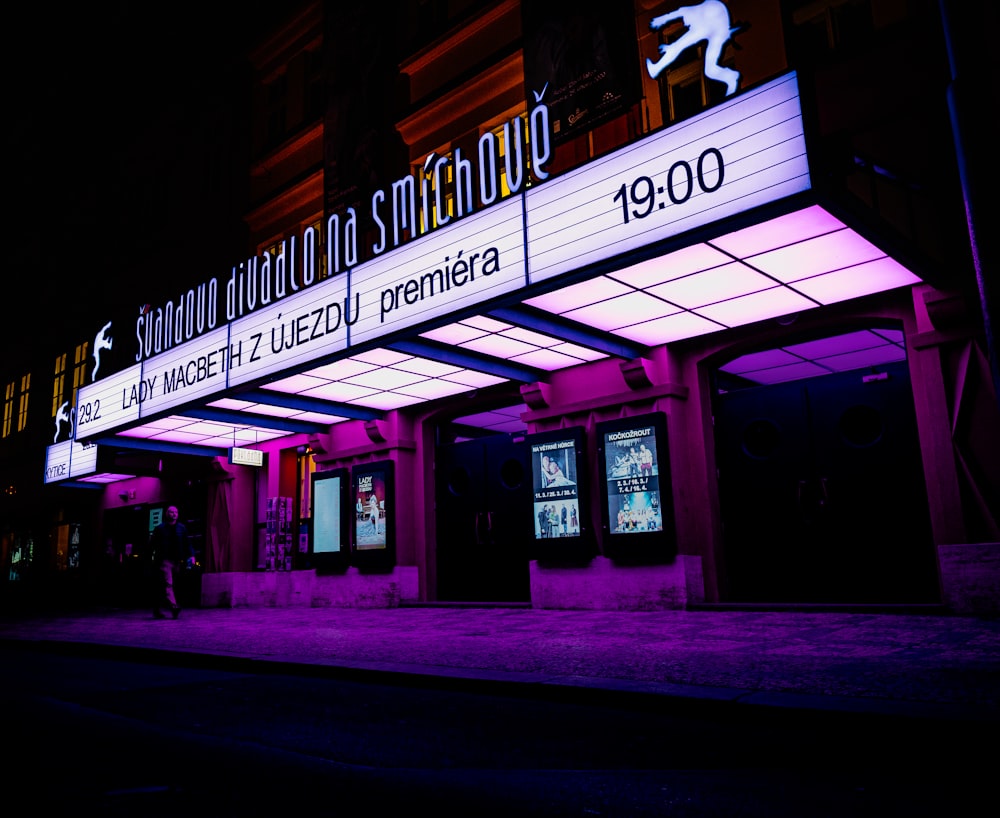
(636, 308)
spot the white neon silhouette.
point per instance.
(100, 342)
(706, 22)
(61, 415)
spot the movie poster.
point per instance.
(556, 493)
(634, 502)
(370, 508)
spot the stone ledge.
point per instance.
(605, 586)
(307, 589)
(970, 577)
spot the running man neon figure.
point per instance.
(707, 22)
(100, 342)
(62, 415)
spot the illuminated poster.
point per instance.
(369, 496)
(556, 491)
(637, 511)
(632, 472)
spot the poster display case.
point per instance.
(637, 498)
(373, 495)
(560, 510)
(329, 523)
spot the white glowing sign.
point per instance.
(734, 157)
(69, 459)
(246, 457)
(478, 259)
(111, 402)
(183, 374)
(298, 329)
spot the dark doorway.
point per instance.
(127, 558)
(483, 520)
(822, 490)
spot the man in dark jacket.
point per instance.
(171, 549)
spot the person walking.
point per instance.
(171, 549)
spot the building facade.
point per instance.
(638, 308)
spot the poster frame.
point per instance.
(639, 546)
(331, 561)
(574, 548)
(380, 556)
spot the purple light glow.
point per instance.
(746, 309)
(675, 327)
(719, 284)
(780, 232)
(623, 311)
(864, 279)
(839, 353)
(693, 259)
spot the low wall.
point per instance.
(283, 589)
(970, 577)
(607, 586)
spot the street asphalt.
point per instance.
(931, 665)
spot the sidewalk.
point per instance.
(895, 664)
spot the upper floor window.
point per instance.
(22, 409)
(59, 384)
(684, 88)
(276, 109)
(79, 368)
(822, 27)
(315, 101)
(8, 407)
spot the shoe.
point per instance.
(158, 614)
(175, 612)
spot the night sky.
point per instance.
(84, 74)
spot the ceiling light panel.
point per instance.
(783, 266)
(497, 339)
(384, 379)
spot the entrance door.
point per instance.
(483, 521)
(822, 491)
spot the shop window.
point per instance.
(58, 383)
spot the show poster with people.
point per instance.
(556, 493)
(370, 508)
(634, 502)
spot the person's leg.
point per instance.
(168, 588)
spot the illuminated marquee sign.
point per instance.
(741, 154)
